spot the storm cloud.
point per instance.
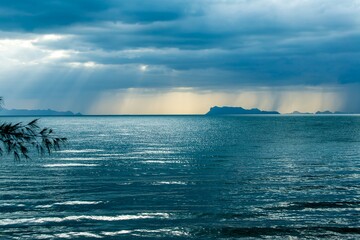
(69, 54)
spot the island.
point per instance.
(215, 111)
(300, 113)
(329, 112)
(27, 112)
(324, 112)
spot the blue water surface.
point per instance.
(181, 177)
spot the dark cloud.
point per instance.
(37, 15)
(204, 44)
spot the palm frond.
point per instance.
(17, 138)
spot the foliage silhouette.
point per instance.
(17, 138)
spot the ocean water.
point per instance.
(183, 177)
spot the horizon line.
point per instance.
(149, 115)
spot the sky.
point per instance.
(180, 56)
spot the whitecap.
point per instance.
(12, 205)
(169, 183)
(79, 203)
(6, 222)
(117, 233)
(77, 234)
(140, 232)
(69, 203)
(45, 206)
(161, 161)
(170, 231)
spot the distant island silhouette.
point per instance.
(236, 110)
(27, 112)
(319, 113)
(300, 113)
(328, 112)
(214, 111)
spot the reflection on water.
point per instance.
(188, 177)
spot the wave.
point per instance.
(12, 205)
(162, 161)
(140, 232)
(70, 203)
(121, 232)
(169, 183)
(314, 205)
(7, 222)
(220, 232)
(110, 154)
(55, 165)
(154, 152)
(68, 235)
(81, 151)
(81, 159)
(105, 234)
(261, 232)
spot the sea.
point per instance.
(187, 177)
